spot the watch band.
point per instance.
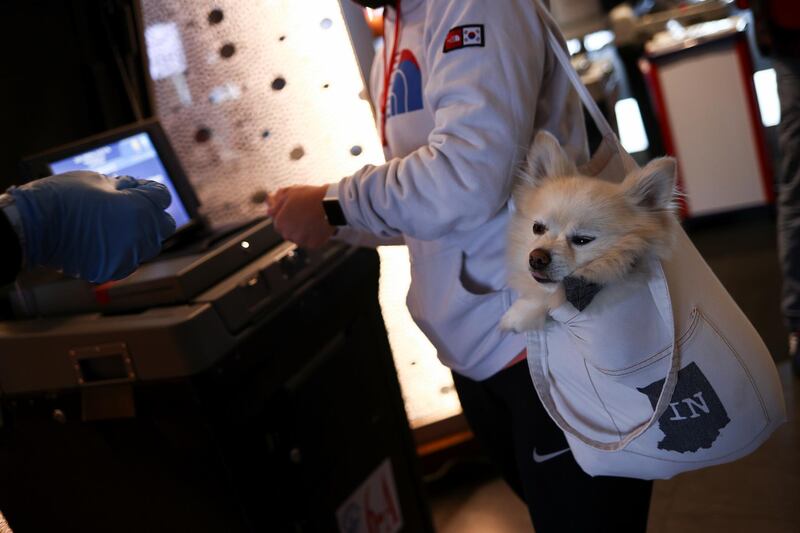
(333, 212)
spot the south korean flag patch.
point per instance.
(463, 37)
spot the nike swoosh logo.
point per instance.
(546, 457)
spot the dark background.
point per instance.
(70, 69)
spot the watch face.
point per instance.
(375, 3)
(333, 212)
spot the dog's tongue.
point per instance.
(580, 292)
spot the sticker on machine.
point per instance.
(373, 507)
(464, 37)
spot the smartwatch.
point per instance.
(333, 211)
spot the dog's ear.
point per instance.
(653, 186)
(545, 159)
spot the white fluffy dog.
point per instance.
(570, 229)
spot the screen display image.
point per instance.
(133, 156)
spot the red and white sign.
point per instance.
(463, 37)
(373, 507)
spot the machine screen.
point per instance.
(132, 156)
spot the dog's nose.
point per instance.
(539, 259)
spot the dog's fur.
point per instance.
(627, 223)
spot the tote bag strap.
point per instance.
(537, 340)
(557, 47)
(538, 355)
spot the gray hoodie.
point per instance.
(473, 81)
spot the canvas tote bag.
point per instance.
(661, 373)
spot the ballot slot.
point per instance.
(104, 368)
(102, 364)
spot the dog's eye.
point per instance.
(580, 240)
(539, 228)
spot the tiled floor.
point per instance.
(488, 507)
(757, 494)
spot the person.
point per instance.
(83, 223)
(460, 89)
(777, 24)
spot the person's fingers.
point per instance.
(149, 242)
(279, 194)
(166, 225)
(125, 182)
(147, 252)
(273, 208)
(276, 201)
(277, 213)
(155, 192)
(118, 274)
(276, 225)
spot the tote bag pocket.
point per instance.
(715, 410)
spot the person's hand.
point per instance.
(91, 226)
(298, 215)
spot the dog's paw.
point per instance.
(511, 322)
(523, 316)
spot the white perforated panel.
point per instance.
(256, 95)
(427, 384)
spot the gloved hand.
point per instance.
(91, 226)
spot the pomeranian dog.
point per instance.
(573, 230)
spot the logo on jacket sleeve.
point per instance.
(463, 37)
(695, 414)
(406, 87)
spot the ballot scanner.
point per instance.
(243, 384)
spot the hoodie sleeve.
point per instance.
(484, 98)
(363, 239)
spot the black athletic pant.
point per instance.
(511, 425)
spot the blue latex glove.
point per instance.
(91, 226)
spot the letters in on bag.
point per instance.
(695, 414)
